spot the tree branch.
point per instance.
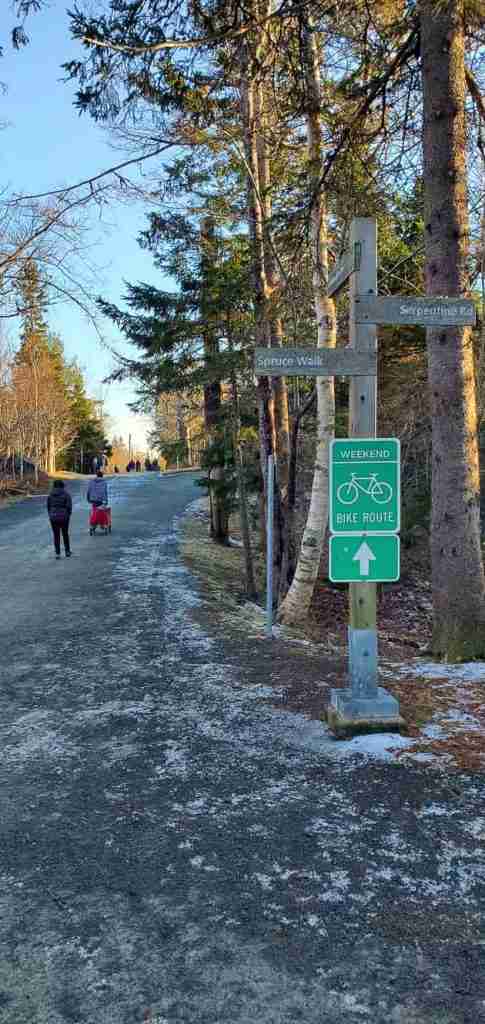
(97, 177)
(375, 88)
(174, 44)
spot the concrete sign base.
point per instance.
(347, 715)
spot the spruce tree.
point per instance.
(32, 303)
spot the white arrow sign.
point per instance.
(364, 555)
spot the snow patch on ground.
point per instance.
(471, 671)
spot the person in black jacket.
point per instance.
(59, 507)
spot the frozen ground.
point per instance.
(177, 850)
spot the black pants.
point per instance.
(57, 529)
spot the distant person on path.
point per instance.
(138, 466)
(94, 464)
(98, 490)
(59, 508)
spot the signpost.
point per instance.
(364, 470)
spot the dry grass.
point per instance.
(220, 567)
(15, 490)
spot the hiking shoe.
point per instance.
(57, 557)
(68, 554)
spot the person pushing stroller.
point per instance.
(98, 499)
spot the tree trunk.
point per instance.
(457, 567)
(287, 568)
(272, 396)
(296, 604)
(272, 284)
(212, 391)
(188, 438)
(265, 398)
(274, 330)
(251, 591)
(51, 456)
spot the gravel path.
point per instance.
(176, 850)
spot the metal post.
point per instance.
(269, 546)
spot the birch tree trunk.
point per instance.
(457, 568)
(296, 604)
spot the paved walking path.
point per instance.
(173, 848)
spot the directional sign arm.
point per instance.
(318, 362)
(407, 309)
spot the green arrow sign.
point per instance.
(364, 485)
(370, 558)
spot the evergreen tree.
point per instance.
(88, 438)
(32, 308)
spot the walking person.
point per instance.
(98, 490)
(59, 508)
(98, 498)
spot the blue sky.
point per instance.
(46, 144)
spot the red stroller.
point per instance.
(100, 515)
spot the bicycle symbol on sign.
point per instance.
(378, 490)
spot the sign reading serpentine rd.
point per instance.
(314, 362)
(365, 485)
(404, 309)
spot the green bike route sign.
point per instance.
(365, 485)
(368, 559)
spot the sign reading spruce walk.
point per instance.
(314, 362)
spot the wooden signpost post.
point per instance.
(369, 511)
(364, 704)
